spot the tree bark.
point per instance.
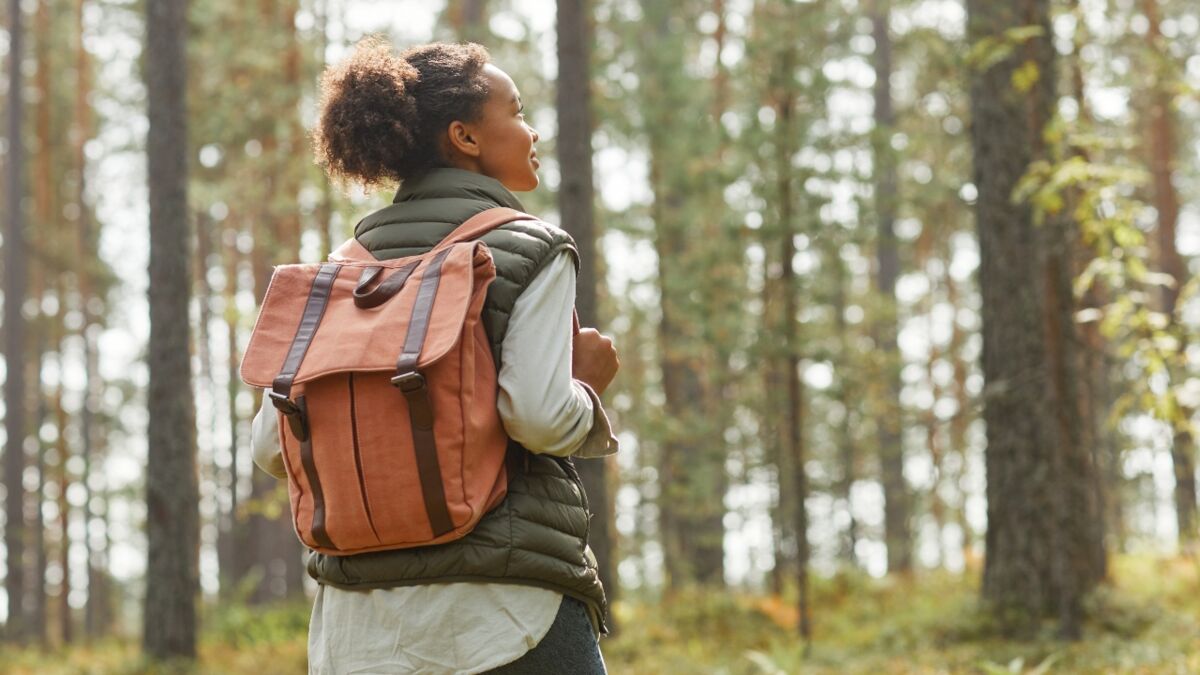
(66, 623)
(848, 397)
(14, 337)
(468, 19)
(891, 449)
(1039, 483)
(1166, 203)
(232, 539)
(576, 198)
(86, 254)
(691, 468)
(172, 509)
(794, 417)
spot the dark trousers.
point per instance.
(569, 648)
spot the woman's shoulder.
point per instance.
(532, 238)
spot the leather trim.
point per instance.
(314, 484)
(417, 393)
(385, 291)
(314, 309)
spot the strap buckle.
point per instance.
(409, 382)
(283, 404)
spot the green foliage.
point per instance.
(240, 625)
(991, 51)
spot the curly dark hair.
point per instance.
(381, 115)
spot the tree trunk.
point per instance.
(692, 459)
(66, 632)
(468, 19)
(1166, 203)
(847, 396)
(576, 196)
(1038, 481)
(45, 208)
(38, 622)
(232, 537)
(86, 254)
(172, 509)
(290, 546)
(14, 337)
(888, 423)
(793, 437)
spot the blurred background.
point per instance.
(786, 223)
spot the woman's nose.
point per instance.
(533, 132)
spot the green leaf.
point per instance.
(1026, 76)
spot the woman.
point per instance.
(519, 594)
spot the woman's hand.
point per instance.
(594, 359)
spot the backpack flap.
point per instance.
(317, 301)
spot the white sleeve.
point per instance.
(541, 406)
(264, 440)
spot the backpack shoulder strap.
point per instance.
(480, 224)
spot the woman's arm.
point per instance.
(542, 407)
(264, 440)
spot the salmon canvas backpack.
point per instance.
(385, 387)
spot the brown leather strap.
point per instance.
(364, 299)
(310, 472)
(480, 224)
(310, 320)
(416, 391)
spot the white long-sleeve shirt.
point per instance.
(468, 627)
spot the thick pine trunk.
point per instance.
(576, 196)
(172, 508)
(1040, 487)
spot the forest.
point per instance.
(902, 292)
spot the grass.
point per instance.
(1147, 621)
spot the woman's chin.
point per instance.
(527, 185)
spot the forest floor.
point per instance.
(1146, 621)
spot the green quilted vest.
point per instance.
(538, 535)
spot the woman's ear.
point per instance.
(462, 139)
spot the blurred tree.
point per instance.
(687, 240)
(15, 399)
(468, 19)
(896, 513)
(48, 286)
(172, 499)
(576, 197)
(1036, 543)
(1160, 120)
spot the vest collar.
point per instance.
(449, 182)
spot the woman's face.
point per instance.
(504, 141)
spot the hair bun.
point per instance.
(382, 114)
(368, 96)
